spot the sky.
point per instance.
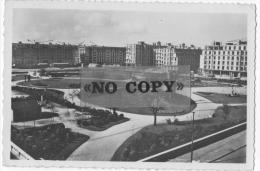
(119, 28)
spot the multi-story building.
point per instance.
(225, 60)
(32, 54)
(165, 56)
(103, 55)
(189, 56)
(177, 55)
(140, 54)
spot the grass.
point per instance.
(174, 111)
(18, 77)
(104, 127)
(69, 148)
(222, 98)
(41, 115)
(50, 142)
(58, 83)
(178, 104)
(154, 139)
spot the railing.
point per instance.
(19, 153)
(198, 143)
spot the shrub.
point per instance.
(168, 121)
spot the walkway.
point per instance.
(229, 150)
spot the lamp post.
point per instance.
(192, 137)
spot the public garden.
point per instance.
(114, 133)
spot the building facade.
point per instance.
(103, 55)
(29, 55)
(140, 54)
(178, 55)
(165, 56)
(225, 60)
(189, 56)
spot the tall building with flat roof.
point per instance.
(225, 60)
(140, 54)
(165, 56)
(170, 55)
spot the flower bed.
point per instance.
(51, 142)
(102, 122)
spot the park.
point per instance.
(124, 126)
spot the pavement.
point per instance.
(228, 150)
(102, 144)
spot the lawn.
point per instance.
(222, 98)
(174, 111)
(59, 83)
(154, 139)
(18, 77)
(139, 103)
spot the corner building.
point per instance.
(225, 60)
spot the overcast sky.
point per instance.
(118, 28)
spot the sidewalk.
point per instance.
(219, 149)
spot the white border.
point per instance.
(180, 7)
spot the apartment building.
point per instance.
(170, 55)
(225, 60)
(140, 54)
(165, 56)
(27, 55)
(103, 55)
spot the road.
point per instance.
(228, 150)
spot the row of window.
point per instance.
(224, 57)
(227, 62)
(227, 47)
(226, 68)
(225, 52)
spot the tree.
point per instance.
(226, 111)
(155, 109)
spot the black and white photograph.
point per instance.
(157, 85)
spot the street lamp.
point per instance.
(192, 137)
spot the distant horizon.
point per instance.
(162, 43)
(119, 28)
